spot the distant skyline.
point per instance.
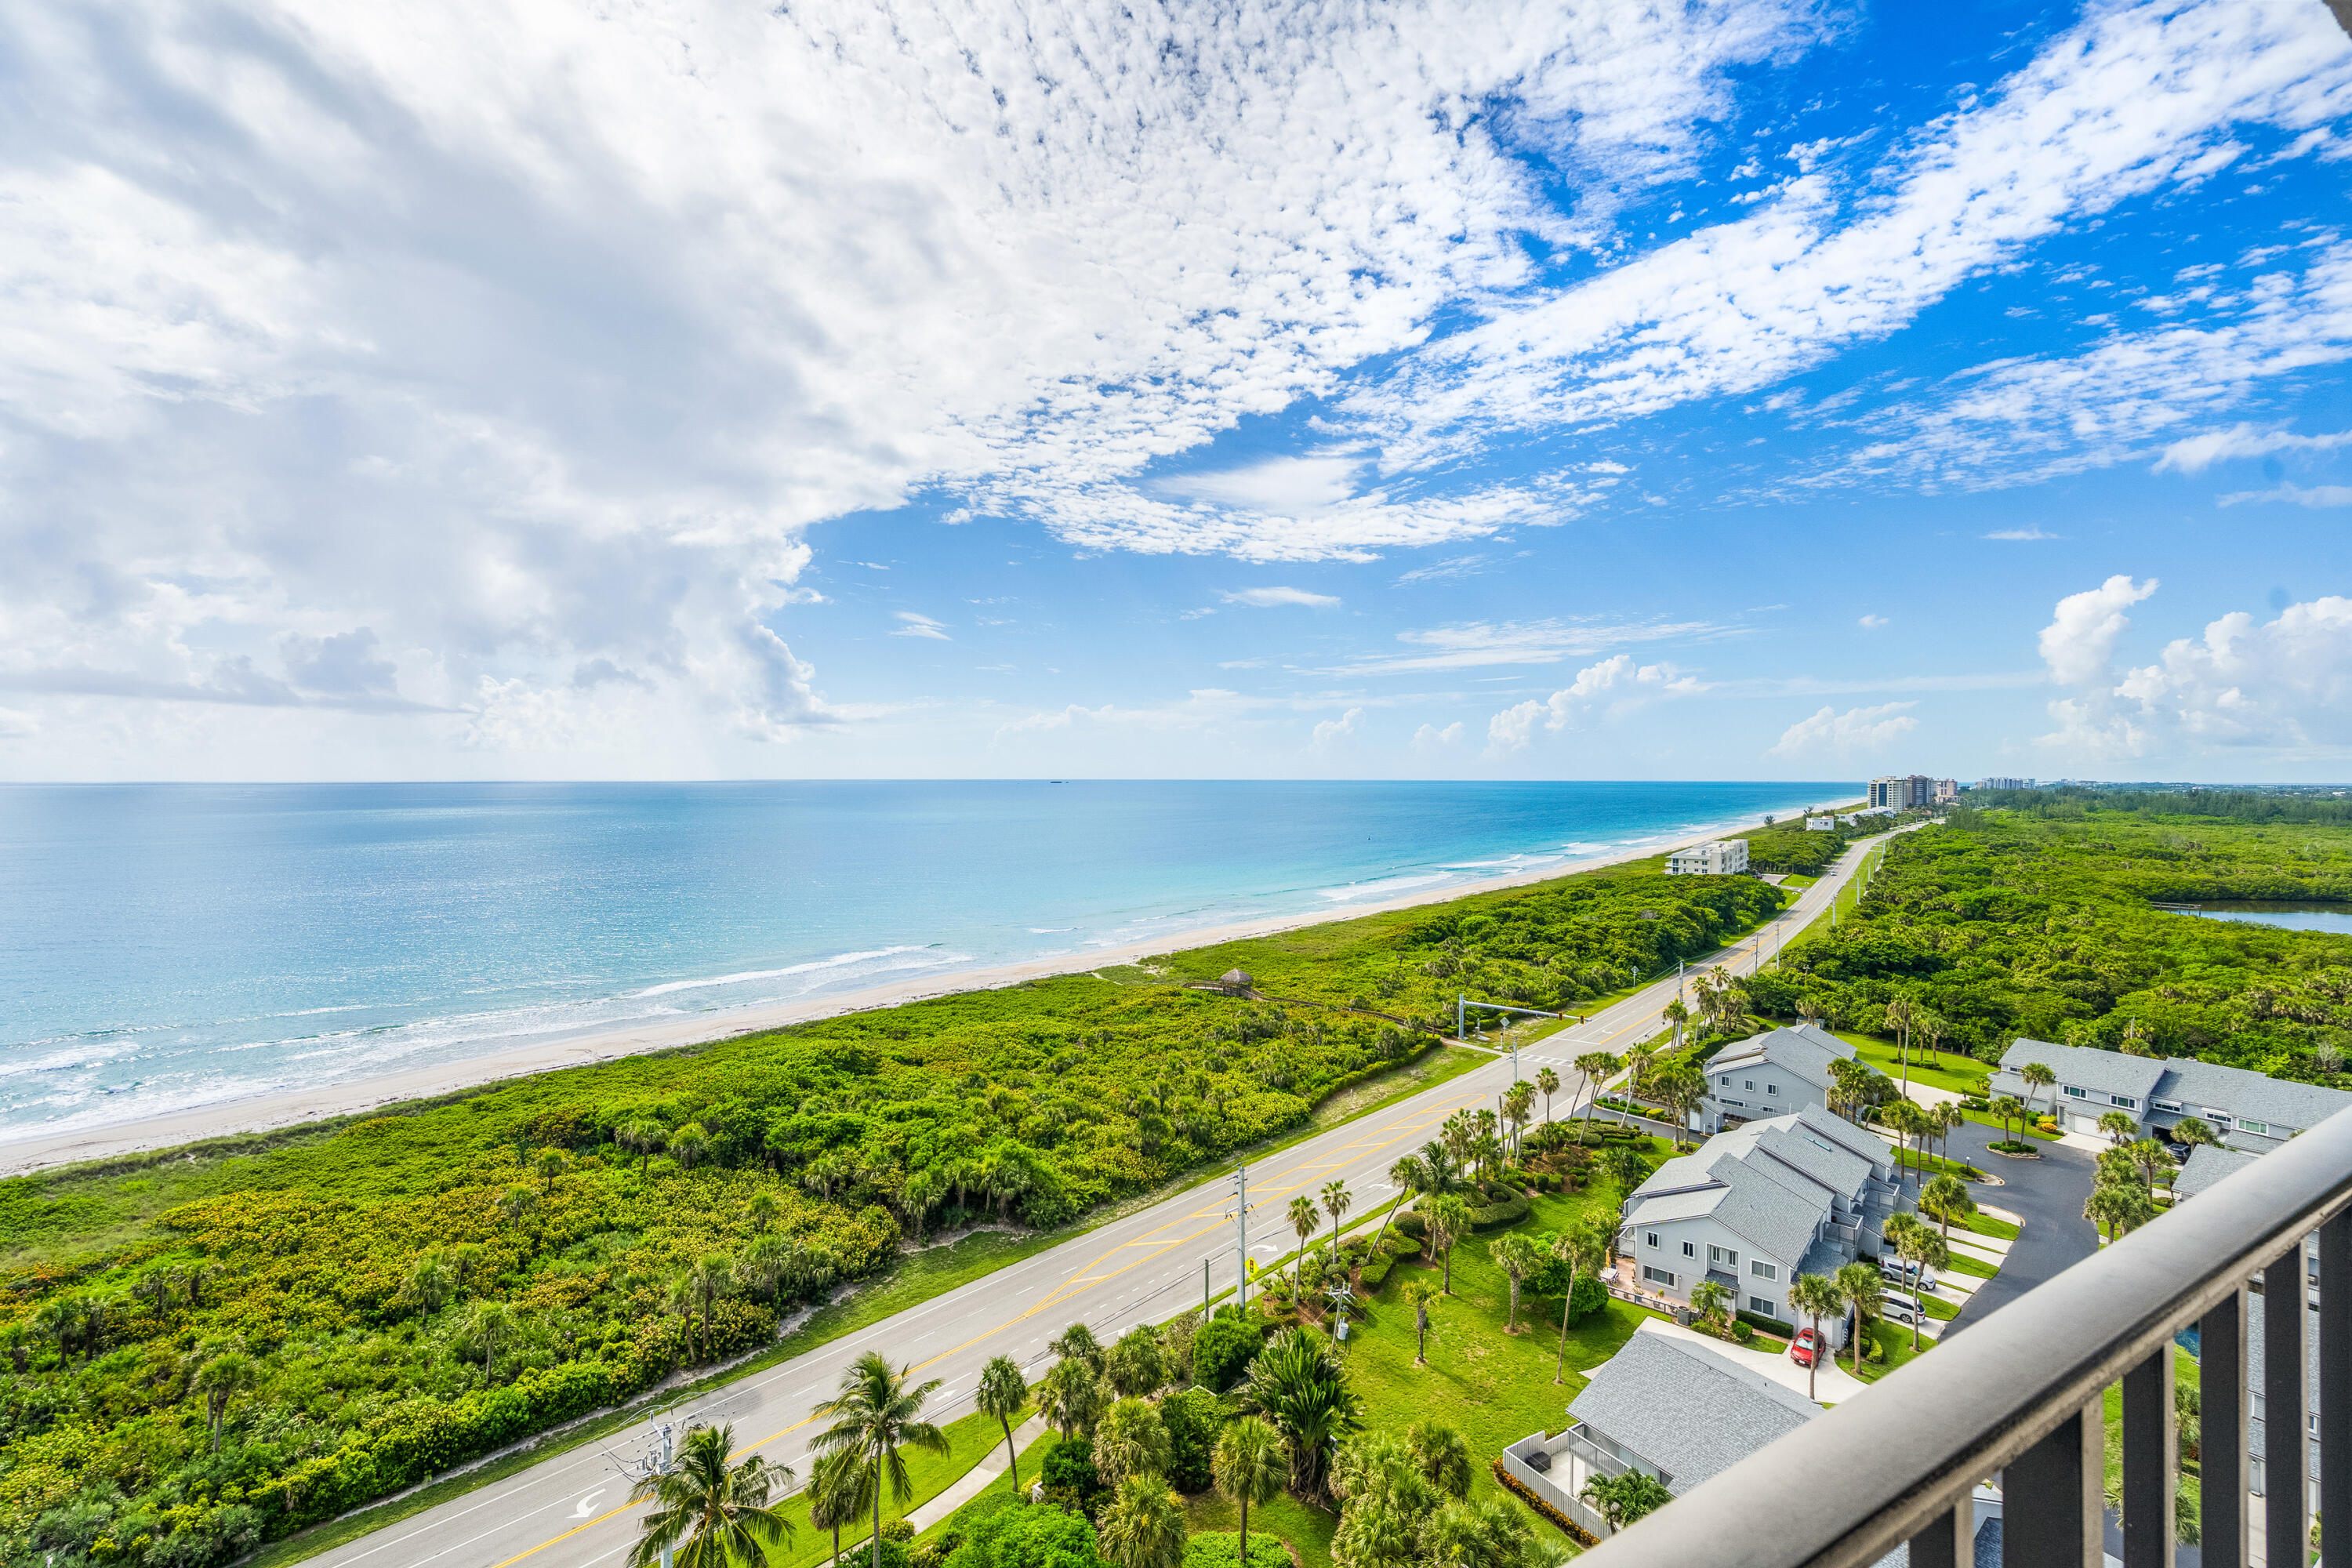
(1772, 390)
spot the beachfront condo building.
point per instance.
(1720, 857)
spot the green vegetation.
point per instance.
(210, 1349)
(2043, 924)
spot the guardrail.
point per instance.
(2021, 1396)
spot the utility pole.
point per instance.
(1461, 1016)
(1204, 1289)
(1241, 1236)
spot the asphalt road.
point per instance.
(2047, 1195)
(572, 1510)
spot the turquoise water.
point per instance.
(2336, 918)
(167, 947)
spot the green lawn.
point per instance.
(1935, 1072)
(1308, 1530)
(1033, 1459)
(1985, 1225)
(969, 1441)
(1958, 1263)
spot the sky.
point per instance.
(1760, 389)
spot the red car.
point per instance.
(1804, 1347)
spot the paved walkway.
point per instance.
(1835, 1383)
(975, 1480)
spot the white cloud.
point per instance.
(1331, 731)
(1282, 487)
(1474, 644)
(1615, 687)
(528, 356)
(1429, 740)
(2315, 496)
(1854, 731)
(2081, 637)
(921, 626)
(17, 725)
(2195, 454)
(1870, 623)
(2133, 100)
(2016, 533)
(2286, 683)
(1270, 598)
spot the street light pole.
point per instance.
(1241, 1236)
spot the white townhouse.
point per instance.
(1758, 1206)
(2252, 1111)
(1770, 1074)
(1719, 858)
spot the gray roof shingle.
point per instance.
(2207, 1165)
(1804, 1051)
(1689, 1412)
(2240, 1093)
(2102, 1072)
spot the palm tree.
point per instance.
(688, 1145)
(221, 1380)
(1248, 1466)
(1902, 1118)
(1131, 1441)
(1919, 1247)
(489, 1325)
(2191, 1130)
(1336, 1203)
(711, 1277)
(1708, 1299)
(2009, 1108)
(643, 1139)
(2120, 1126)
(1144, 1525)
(1442, 1456)
(1002, 1394)
(1900, 1016)
(1677, 1012)
(1858, 1285)
(1624, 1168)
(1070, 1396)
(1817, 1297)
(1584, 1241)
(2037, 1078)
(1077, 1342)
(762, 1210)
(1449, 1222)
(2116, 1208)
(1597, 1068)
(1303, 1220)
(517, 1202)
(711, 1514)
(431, 1282)
(875, 1414)
(1419, 1294)
(1518, 1109)
(2152, 1157)
(840, 1491)
(1517, 1256)
(1409, 1175)
(1547, 1082)
(1947, 1115)
(1297, 1382)
(549, 1165)
(1946, 1197)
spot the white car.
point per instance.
(1897, 1307)
(1895, 1273)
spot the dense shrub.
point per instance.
(1069, 1474)
(1222, 1548)
(1040, 1537)
(1194, 1418)
(1222, 1346)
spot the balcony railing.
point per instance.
(2020, 1396)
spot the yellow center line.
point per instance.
(1053, 1298)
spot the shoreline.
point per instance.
(275, 1110)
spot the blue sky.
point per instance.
(1721, 391)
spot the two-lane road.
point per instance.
(572, 1510)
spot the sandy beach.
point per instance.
(289, 1108)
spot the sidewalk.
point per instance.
(975, 1480)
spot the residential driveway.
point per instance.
(1835, 1382)
(2047, 1195)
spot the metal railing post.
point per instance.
(2222, 1373)
(1945, 1543)
(2284, 1465)
(2053, 1509)
(2336, 1393)
(2150, 1450)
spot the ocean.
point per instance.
(167, 947)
